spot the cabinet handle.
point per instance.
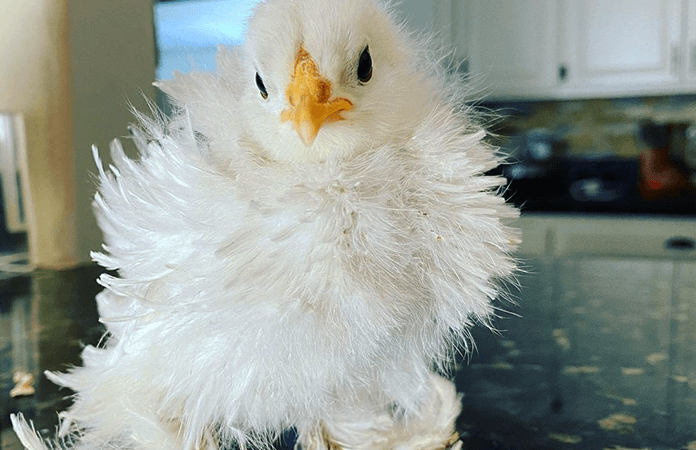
(692, 58)
(562, 72)
(680, 243)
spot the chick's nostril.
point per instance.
(323, 92)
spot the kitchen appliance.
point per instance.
(664, 165)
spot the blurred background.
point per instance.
(593, 102)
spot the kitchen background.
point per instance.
(594, 155)
(594, 101)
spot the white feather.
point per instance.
(264, 283)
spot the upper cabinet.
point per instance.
(621, 45)
(512, 44)
(578, 48)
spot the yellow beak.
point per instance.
(309, 97)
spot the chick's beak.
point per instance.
(309, 97)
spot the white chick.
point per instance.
(304, 244)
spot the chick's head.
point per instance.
(327, 79)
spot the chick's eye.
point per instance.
(365, 66)
(261, 86)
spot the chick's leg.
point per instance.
(432, 428)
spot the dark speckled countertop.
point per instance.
(595, 353)
(602, 356)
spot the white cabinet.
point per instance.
(512, 43)
(568, 234)
(625, 45)
(579, 48)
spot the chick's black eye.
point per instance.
(365, 66)
(261, 86)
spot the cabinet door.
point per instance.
(512, 45)
(620, 45)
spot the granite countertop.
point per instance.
(590, 353)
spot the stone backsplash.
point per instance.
(595, 127)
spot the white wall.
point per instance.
(34, 80)
(112, 63)
(71, 67)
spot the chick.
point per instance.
(305, 244)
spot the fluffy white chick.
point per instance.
(302, 245)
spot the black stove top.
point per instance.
(606, 186)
